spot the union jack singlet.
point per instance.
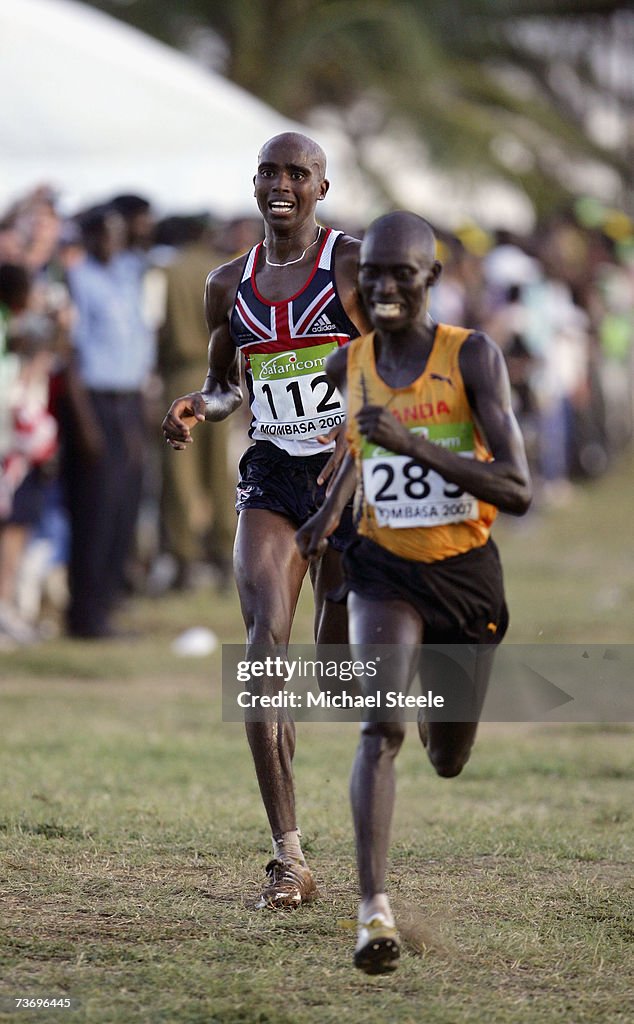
(285, 345)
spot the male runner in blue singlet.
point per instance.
(281, 311)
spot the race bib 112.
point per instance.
(292, 396)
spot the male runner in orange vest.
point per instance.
(434, 452)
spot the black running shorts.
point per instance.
(460, 599)
(270, 478)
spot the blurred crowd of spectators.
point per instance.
(101, 325)
(560, 303)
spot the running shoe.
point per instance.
(377, 950)
(290, 884)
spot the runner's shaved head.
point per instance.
(403, 227)
(311, 151)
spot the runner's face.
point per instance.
(394, 275)
(288, 185)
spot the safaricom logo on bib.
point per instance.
(287, 363)
(281, 363)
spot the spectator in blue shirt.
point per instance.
(104, 437)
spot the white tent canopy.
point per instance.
(94, 107)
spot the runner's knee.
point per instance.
(267, 626)
(448, 764)
(265, 634)
(449, 745)
(389, 734)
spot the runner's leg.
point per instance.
(449, 744)
(372, 784)
(331, 619)
(269, 572)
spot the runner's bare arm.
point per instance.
(221, 389)
(311, 537)
(504, 482)
(346, 272)
(335, 366)
(221, 393)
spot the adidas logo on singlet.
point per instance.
(323, 325)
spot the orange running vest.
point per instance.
(407, 509)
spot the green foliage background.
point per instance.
(490, 87)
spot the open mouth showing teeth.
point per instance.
(387, 309)
(279, 207)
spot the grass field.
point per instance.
(132, 837)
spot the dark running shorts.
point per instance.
(460, 599)
(270, 478)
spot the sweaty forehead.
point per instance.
(293, 150)
(393, 246)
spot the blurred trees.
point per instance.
(541, 93)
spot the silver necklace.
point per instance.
(289, 262)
